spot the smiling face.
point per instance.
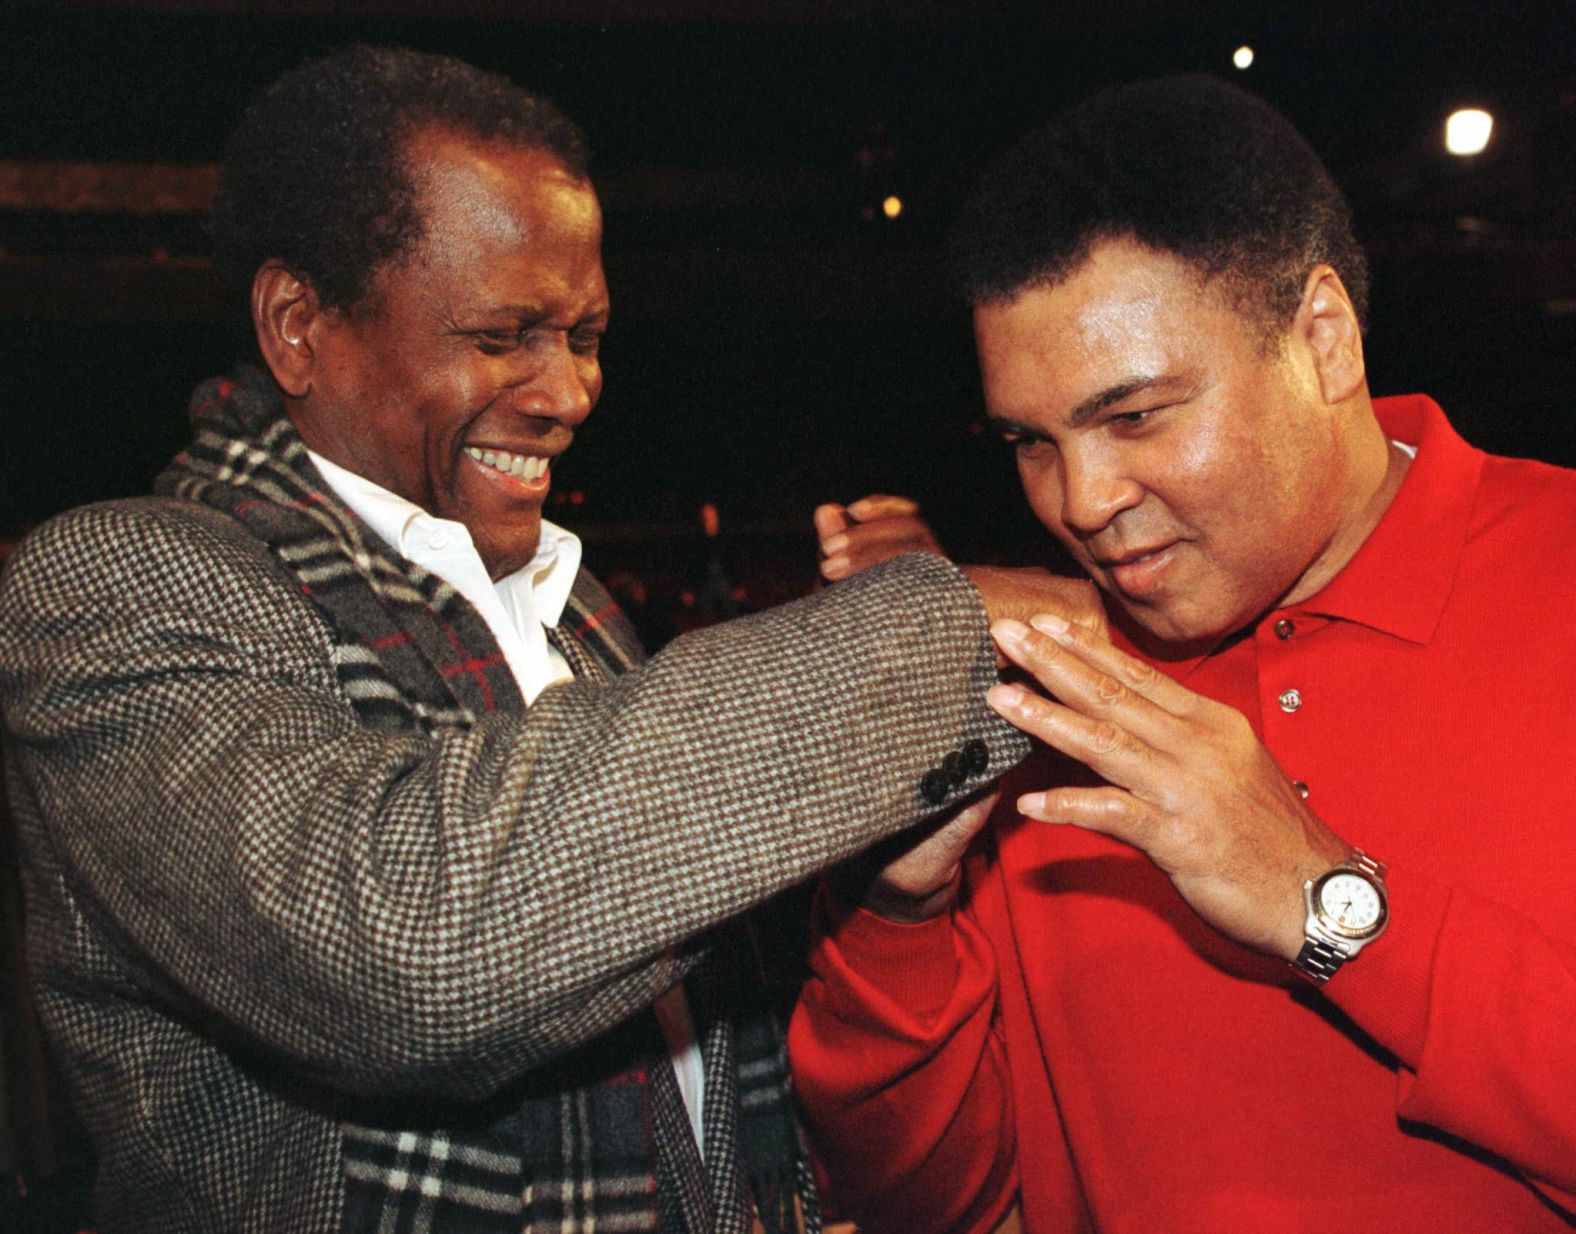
(473, 358)
(1199, 478)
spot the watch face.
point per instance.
(1349, 904)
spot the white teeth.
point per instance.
(521, 466)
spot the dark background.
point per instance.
(776, 340)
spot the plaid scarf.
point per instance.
(600, 1139)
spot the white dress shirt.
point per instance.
(517, 609)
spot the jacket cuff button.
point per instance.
(976, 756)
(935, 787)
(955, 767)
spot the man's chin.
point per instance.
(506, 545)
(1165, 634)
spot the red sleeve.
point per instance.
(900, 1069)
(1478, 1003)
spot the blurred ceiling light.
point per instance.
(1467, 131)
(1242, 57)
(892, 206)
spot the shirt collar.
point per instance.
(550, 574)
(1400, 578)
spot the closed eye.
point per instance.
(496, 342)
(1130, 420)
(1024, 444)
(583, 342)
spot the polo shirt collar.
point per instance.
(1400, 578)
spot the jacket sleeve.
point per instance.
(1476, 1002)
(397, 913)
(901, 1072)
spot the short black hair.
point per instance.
(315, 174)
(1188, 165)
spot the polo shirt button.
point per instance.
(1290, 700)
(935, 787)
(437, 540)
(1302, 789)
(1285, 628)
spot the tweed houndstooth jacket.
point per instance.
(248, 912)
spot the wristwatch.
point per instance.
(1347, 909)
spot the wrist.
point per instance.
(859, 886)
(906, 909)
(1325, 851)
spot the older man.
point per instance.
(1297, 949)
(364, 855)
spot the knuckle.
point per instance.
(1111, 807)
(1109, 690)
(1058, 803)
(1107, 738)
(1139, 675)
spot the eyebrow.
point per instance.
(535, 311)
(1094, 404)
(519, 313)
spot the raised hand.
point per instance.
(1188, 781)
(869, 531)
(879, 527)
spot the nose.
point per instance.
(1095, 489)
(560, 384)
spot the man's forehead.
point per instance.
(497, 185)
(1128, 322)
(1125, 301)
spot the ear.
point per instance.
(289, 321)
(1327, 326)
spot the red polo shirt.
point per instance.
(1075, 1033)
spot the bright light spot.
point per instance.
(1242, 57)
(1467, 131)
(892, 207)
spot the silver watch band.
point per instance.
(1318, 961)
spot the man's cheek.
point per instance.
(1044, 497)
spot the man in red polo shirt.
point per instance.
(1297, 949)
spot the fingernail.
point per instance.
(834, 544)
(1048, 623)
(1009, 631)
(1034, 805)
(834, 567)
(1004, 698)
